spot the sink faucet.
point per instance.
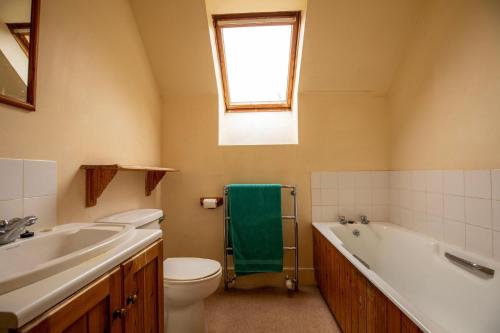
(341, 219)
(11, 230)
(364, 219)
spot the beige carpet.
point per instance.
(268, 310)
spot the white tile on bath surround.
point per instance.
(407, 218)
(380, 196)
(454, 233)
(405, 179)
(11, 179)
(329, 180)
(329, 196)
(418, 180)
(435, 227)
(435, 204)
(479, 240)
(380, 213)
(454, 182)
(42, 207)
(478, 212)
(478, 184)
(316, 180)
(329, 213)
(346, 197)
(395, 214)
(405, 199)
(362, 180)
(346, 179)
(496, 215)
(495, 180)
(363, 197)
(434, 181)
(420, 221)
(11, 208)
(39, 178)
(347, 211)
(419, 201)
(316, 196)
(316, 214)
(454, 207)
(380, 179)
(365, 210)
(496, 245)
(395, 197)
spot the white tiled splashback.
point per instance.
(28, 187)
(459, 207)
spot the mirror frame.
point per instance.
(29, 104)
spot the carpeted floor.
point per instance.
(269, 310)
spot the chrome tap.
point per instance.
(364, 219)
(11, 230)
(341, 219)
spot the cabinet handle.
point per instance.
(131, 299)
(119, 313)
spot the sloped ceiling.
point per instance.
(354, 45)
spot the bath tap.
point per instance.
(11, 230)
(364, 219)
(341, 219)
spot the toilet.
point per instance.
(186, 281)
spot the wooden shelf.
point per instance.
(99, 176)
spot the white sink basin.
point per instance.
(48, 253)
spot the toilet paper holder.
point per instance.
(219, 201)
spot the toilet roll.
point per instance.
(210, 203)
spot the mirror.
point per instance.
(18, 52)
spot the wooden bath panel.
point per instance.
(357, 305)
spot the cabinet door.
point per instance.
(90, 310)
(143, 291)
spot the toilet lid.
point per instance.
(184, 269)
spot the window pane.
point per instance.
(257, 63)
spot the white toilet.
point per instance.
(187, 281)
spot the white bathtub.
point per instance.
(412, 271)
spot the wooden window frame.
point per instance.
(258, 19)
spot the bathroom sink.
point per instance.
(29, 260)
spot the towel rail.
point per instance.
(228, 250)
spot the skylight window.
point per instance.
(257, 55)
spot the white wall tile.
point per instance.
(329, 180)
(405, 199)
(496, 245)
(380, 213)
(11, 179)
(380, 196)
(365, 210)
(419, 201)
(435, 227)
(363, 197)
(395, 196)
(316, 214)
(478, 184)
(42, 207)
(329, 213)
(362, 180)
(434, 181)
(346, 179)
(316, 196)
(395, 214)
(454, 207)
(418, 180)
(496, 215)
(454, 233)
(454, 182)
(40, 178)
(380, 179)
(495, 179)
(394, 179)
(435, 204)
(407, 218)
(420, 221)
(347, 211)
(479, 240)
(478, 212)
(405, 179)
(11, 208)
(346, 197)
(316, 180)
(329, 197)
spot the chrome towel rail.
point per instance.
(470, 264)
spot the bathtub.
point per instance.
(436, 293)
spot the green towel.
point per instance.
(255, 228)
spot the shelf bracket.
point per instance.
(152, 179)
(97, 179)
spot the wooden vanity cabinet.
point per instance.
(128, 299)
(357, 305)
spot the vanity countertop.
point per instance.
(20, 306)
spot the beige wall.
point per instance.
(341, 126)
(446, 100)
(97, 102)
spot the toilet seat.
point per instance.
(185, 270)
